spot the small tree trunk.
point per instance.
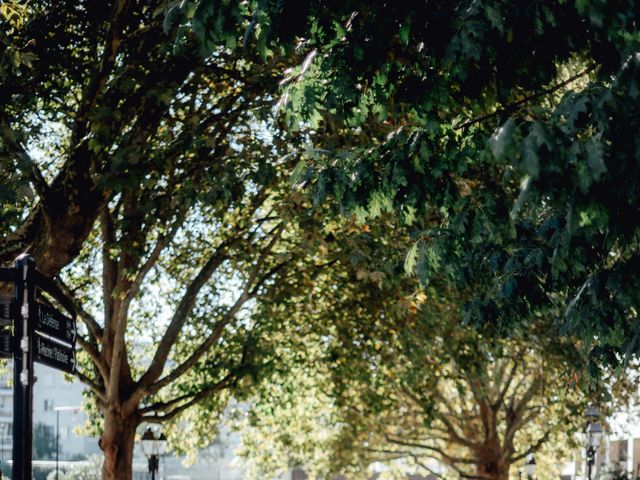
(117, 442)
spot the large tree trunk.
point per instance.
(490, 461)
(117, 443)
(493, 469)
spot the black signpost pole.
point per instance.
(23, 368)
(31, 331)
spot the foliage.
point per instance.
(167, 284)
(293, 410)
(383, 371)
(493, 128)
(158, 168)
(489, 129)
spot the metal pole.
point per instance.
(4, 428)
(57, 439)
(23, 370)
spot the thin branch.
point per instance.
(95, 388)
(214, 336)
(94, 328)
(532, 449)
(527, 99)
(101, 73)
(160, 245)
(515, 419)
(226, 382)
(500, 400)
(449, 459)
(181, 369)
(148, 382)
(95, 356)
(425, 467)
(183, 311)
(450, 428)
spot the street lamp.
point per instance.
(153, 447)
(529, 468)
(593, 429)
(75, 409)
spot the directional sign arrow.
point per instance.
(53, 323)
(54, 354)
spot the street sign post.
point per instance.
(55, 355)
(31, 330)
(55, 324)
(23, 369)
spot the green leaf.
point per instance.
(411, 258)
(595, 156)
(530, 158)
(297, 172)
(404, 33)
(540, 134)
(502, 141)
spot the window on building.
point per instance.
(5, 431)
(48, 405)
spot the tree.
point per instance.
(180, 264)
(390, 373)
(449, 395)
(88, 96)
(44, 441)
(117, 114)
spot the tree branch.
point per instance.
(101, 73)
(93, 352)
(154, 255)
(109, 265)
(496, 404)
(183, 311)
(226, 382)
(95, 330)
(527, 99)
(95, 388)
(449, 459)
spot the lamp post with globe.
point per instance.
(153, 448)
(529, 468)
(593, 431)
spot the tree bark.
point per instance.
(491, 463)
(117, 443)
(493, 469)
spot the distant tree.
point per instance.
(44, 442)
(388, 373)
